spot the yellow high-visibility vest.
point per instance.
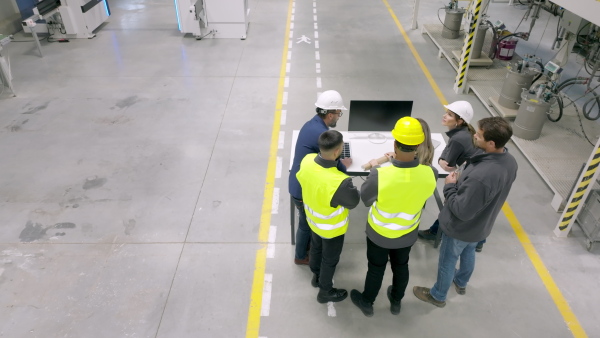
(401, 194)
(318, 187)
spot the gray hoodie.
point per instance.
(473, 203)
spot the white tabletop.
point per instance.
(366, 145)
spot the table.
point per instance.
(365, 146)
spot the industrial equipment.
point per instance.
(531, 116)
(213, 18)
(452, 20)
(519, 76)
(72, 19)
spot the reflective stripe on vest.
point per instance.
(319, 184)
(323, 226)
(401, 194)
(332, 215)
(394, 226)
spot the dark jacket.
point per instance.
(473, 203)
(460, 146)
(307, 143)
(369, 192)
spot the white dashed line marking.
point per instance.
(266, 300)
(275, 204)
(281, 139)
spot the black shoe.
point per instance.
(426, 234)
(479, 247)
(334, 295)
(315, 281)
(394, 304)
(357, 299)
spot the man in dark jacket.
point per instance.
(473, 200)
(329, 110)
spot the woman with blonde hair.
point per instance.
(426, 149)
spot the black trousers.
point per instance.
(378, 258)
(324, 257)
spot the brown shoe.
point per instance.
(424, 295)
(302, 261)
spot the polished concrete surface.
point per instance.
(134, 169)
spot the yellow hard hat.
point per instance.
(408, 131)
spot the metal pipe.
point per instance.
(559, 38)
(534, 17)
(595, 55)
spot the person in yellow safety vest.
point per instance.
(327, 195)
(396, 195)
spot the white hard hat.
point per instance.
(330, 100)
(461, 108)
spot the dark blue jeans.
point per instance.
(303, 232)
(436, 225)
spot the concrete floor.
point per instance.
(134, 173)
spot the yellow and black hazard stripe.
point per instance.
(581, 189)
(469, 42)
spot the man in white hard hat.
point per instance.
(329, 110)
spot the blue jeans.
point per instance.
(450, 251)
(303, 232)
(436, 225)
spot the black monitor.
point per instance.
(376, 115)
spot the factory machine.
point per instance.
(72, 19)
(213, 18)
(532, 89)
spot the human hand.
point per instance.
(346, 161)
(451, 178)
(444, 165)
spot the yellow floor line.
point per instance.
(561, 303)
(557, 297)
(417, 57)
(253, 324)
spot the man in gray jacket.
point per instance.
(473, 200)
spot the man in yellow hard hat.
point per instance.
(328, 193)
(396, 195)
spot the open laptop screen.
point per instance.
(377, 115)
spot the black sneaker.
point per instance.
(479, 247)
(394, 304)
(426, 234)
(334, 295)
(357, 299)
(315, 281)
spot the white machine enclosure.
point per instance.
(213, 18)
(79, 17)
